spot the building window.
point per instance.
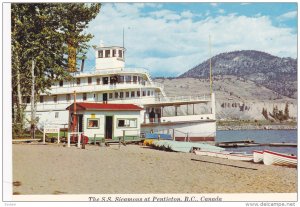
(105, 80)
(107, 53)
(100, 54)
(132, 94)
(61, 83)
(144, 93)
(110, 95)
(114, 53)
(78, 81)
(127, 123)
(127, 94)
(89, 80)
(120, 54)
(55, 99)
(152, 93)
(93, 123)
(41, 99)
(98, 81)
(68, 97)
(121, 94)
(84, 96)
(148, 93)
(116, 94)
(56, 114)
(138, 93)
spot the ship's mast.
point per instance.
(210, 69)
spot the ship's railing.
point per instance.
(182, 98)
(92, 87)
(112, 71)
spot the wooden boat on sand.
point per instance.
(258, 156)
(275, 158)
(226, 155)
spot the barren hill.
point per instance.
(274, 73)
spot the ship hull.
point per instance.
(191, 131)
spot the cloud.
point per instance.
(288, 16)
(221, 11)
(169, 42)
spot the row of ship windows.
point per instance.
(111, 80)
(115, 95)
(107, 53)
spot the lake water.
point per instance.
(260, 136)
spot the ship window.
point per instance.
(68, 97)
(56, 114)
(100, 54)
(98, 81)
(78, 81)
(127, 94)
(121, 94)
(92, 123)
(134, 79)
(110, 95)
(138, 93)
(144, 93)
(107, 53)
(55, 99)
(113, 79)
(132, 93)
(105, 80)
(128, 79)
(89, 80)
(61, 83)
(121, 79)
(114, 53)
(148, 93)
(128, 123)
(84, 96)
(116, 94)
(41, 99)
(120, 54)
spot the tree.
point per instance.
(286, 111)
(40, 33)
(74, 18)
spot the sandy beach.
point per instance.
(52, 169)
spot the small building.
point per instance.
(109, 121)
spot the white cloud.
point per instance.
(221, 11)
(288, 16)
(167, 42)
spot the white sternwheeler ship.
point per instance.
(112, 83)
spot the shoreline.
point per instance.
(236, 125)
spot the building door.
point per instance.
(80, 122)
(108, 127)
(104, 97)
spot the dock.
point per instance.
(252, 143)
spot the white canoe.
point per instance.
(241, 157)
(226, 155)
(275, 158)
(258, 156)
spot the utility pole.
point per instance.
(32, 102)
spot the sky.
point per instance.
(168, 39)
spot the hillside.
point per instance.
(230, 91)
(274, 73)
